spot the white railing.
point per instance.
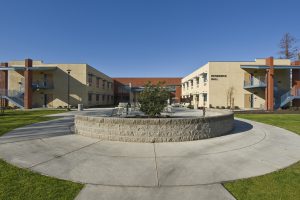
(258, 81)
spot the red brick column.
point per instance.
(269, 91)
(178, 94)
(4, 83)
(28, 85)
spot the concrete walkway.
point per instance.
(116, 170)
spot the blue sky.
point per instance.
(145, 38)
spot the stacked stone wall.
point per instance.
(154, 129)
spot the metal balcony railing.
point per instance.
(259, 81)
(42, 85)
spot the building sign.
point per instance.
(216, 77)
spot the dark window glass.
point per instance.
(90, 79)
(98, 83)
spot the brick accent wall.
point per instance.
(140, 82)
(296, 80)
(3, 83)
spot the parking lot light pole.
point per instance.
(69, 71)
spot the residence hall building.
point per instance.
(128, 89)
(261, 84)
(29, 84)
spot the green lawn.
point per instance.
(22, 184)
(283, 184)
(290, 122)
(14, 119)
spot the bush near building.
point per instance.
(153, 99)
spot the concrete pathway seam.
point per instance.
(59, 156)
(156, 167)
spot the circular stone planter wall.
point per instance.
(154, 129)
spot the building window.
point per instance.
(205, 77)
(90, 79)
(97, 97)
(98, 82)
(103, 97)
(108, 85)
(205, 97)
(103, 84)
(90, 96)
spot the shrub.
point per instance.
(236, 107)
(190, 106)
(223, 107)
(153, 99)
(294, 108)
(217, 107)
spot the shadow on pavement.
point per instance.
(241, 126)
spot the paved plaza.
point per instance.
(119, 170)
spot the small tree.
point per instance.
(230, 93)
(153, 99)
(288, 47)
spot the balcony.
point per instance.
(42, 85)
(255, 82)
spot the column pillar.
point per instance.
(130, 95)
(4, 84)
(195, 83)
(28, 85)
(269, 91)
(195, 101)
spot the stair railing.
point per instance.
(285, 96)
(13, 95)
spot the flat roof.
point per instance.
(35, 68)
(267, 67)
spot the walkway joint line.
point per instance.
(156, 167)
(59, 156)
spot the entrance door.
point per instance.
(45, 100)
(247, 101)
(251, 79)
(251, 100)
(48, 100)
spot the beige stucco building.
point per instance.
(243, 85)
(33, 84)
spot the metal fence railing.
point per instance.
(258, 81)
